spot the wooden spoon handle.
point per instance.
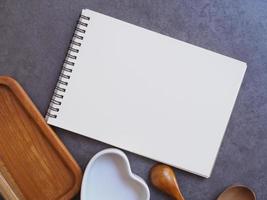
(163, 178)
(8, 189)
(179, 197)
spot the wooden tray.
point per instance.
(34, 164)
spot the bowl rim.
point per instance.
(127, 166)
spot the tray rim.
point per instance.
(48, 133)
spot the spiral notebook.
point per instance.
(145, 92)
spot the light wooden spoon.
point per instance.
(163, 178)
(237, 192)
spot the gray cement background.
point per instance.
(34, 37)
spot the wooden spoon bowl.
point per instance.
(237, 192)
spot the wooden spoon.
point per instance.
(237, 192)
(163, 178)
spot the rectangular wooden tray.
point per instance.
(34, 164)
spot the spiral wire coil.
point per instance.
(68, 67)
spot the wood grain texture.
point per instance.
(34, 164)
(8, 188)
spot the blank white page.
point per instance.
(150, 94)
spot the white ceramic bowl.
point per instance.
(108, 176)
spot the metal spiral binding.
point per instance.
(68, 67)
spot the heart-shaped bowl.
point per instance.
(108, 176)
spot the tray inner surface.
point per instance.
(28, 162)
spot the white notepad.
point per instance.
(146, 93)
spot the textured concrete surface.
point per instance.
(34, 37)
